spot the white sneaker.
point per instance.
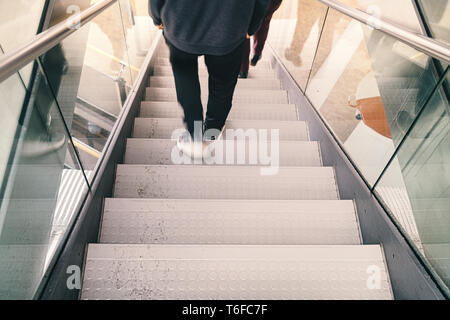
(193, 149)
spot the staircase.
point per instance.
(226, 231)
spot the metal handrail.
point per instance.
(19, 58)
(422, 43)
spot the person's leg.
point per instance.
(260, 37)
(245, 60)
(223, 75)
(308, 14)
(185, 72)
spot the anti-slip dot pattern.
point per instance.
(225, 231)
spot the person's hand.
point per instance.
(160, 27)
(248, 37)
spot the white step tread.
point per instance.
(118, 271)
(162, 128)
(159, 151)
(272, 222)
(241, 96)
(164, 109)
(224, 182)
(252, 73)
(243, 84)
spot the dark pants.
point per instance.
(260, 37)
(223, 73)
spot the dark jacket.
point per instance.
(213, 27)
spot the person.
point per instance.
(259, 40)
(312, 13)
(216, 30)
(309, 14)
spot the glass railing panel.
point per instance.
(139, 32)
(12, 96)
(51, 144)
(436, 15)
(368, 88)
(416, 186)
(91, 76)
(20, 22)
(388, 11)
(437, 18)
(294, 35)
(59, 115)
(42, 185)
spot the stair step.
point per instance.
(164, 62)
(231, 272)
(229, 222)
(241, 96)
(224, 182)
(398, 83)
(399, 97)
(163, 128)
(159, 151)
(164, 109)
(253, 73)
(243, 84)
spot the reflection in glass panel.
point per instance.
(41, 188)
(95, 69)
(42, 182)
(294, 35)
(90, 74)
(416, 187)
(139, 32)
(369, 88)
(20, 22)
